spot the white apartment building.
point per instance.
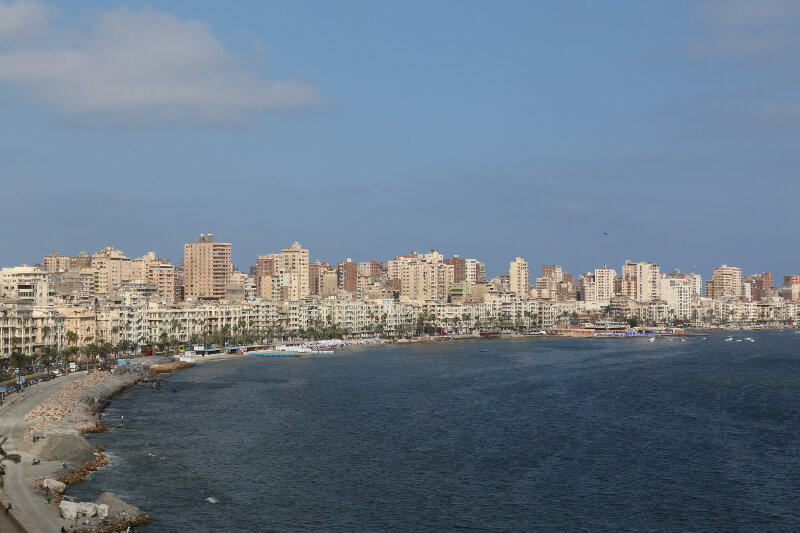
(677, 293)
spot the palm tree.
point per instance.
(5, 456)
(19, 360)
(48, 355)
(72, 338)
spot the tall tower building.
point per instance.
(604, 279)
(207, 267)
(641, 281)
(294, 267)
(726, 282)
(519, 279)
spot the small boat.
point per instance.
(652, 340)
(729, 339)
(752, 340)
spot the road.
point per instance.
(19, 491)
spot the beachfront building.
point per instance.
(725, 283)
(207, 266)
(28, 329)
(677, 293)
(641, 281)
(421, 277)
(519, 278)
(294, 271)
(26, 285)
(604, 280)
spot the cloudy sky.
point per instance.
(365, 129)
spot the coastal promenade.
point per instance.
(17, 488)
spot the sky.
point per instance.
(367, 129)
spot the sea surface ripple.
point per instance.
(505, 435)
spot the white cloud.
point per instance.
(146, 67)
(780, 115)
(747, 27)
(746, 12)
(21, 16)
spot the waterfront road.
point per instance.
(17, 486)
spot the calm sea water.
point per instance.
(518, 435)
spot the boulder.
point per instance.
(116, 506)
(67, 447)
(54, 485)
(87, 508)
(102, 511)
(68, 510)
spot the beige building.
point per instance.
(115, 264)
(519, 278)
(82, 321)
(159, 272)
(604, 279)
(26, 285)
(294, 272)
(207, 266)
(99, 280)
(422, 276)
(726, 282)
(641, 281)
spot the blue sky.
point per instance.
(364, 129)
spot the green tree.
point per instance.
(5, 456)
(19, 360)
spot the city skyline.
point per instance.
(533, 262)
(361, 130)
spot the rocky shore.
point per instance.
(56, 455)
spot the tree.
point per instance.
(72, 338)
(19, 360)
(5, 456)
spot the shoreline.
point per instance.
(52, 431)
(88, 406)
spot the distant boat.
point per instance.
(652, 340)
(729, 339)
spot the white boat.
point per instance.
(729, 339)
(652, 340)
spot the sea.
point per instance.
(534, 434)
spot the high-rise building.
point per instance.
(519, 278)
(115, 264)
(641, 281)
(348, 275)
(677, 292)
(604, 279)
(207, 266)
(294, 272)
(159, 272)
(726, 282)
(555, 272)
(421, 277)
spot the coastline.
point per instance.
(48, 424)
